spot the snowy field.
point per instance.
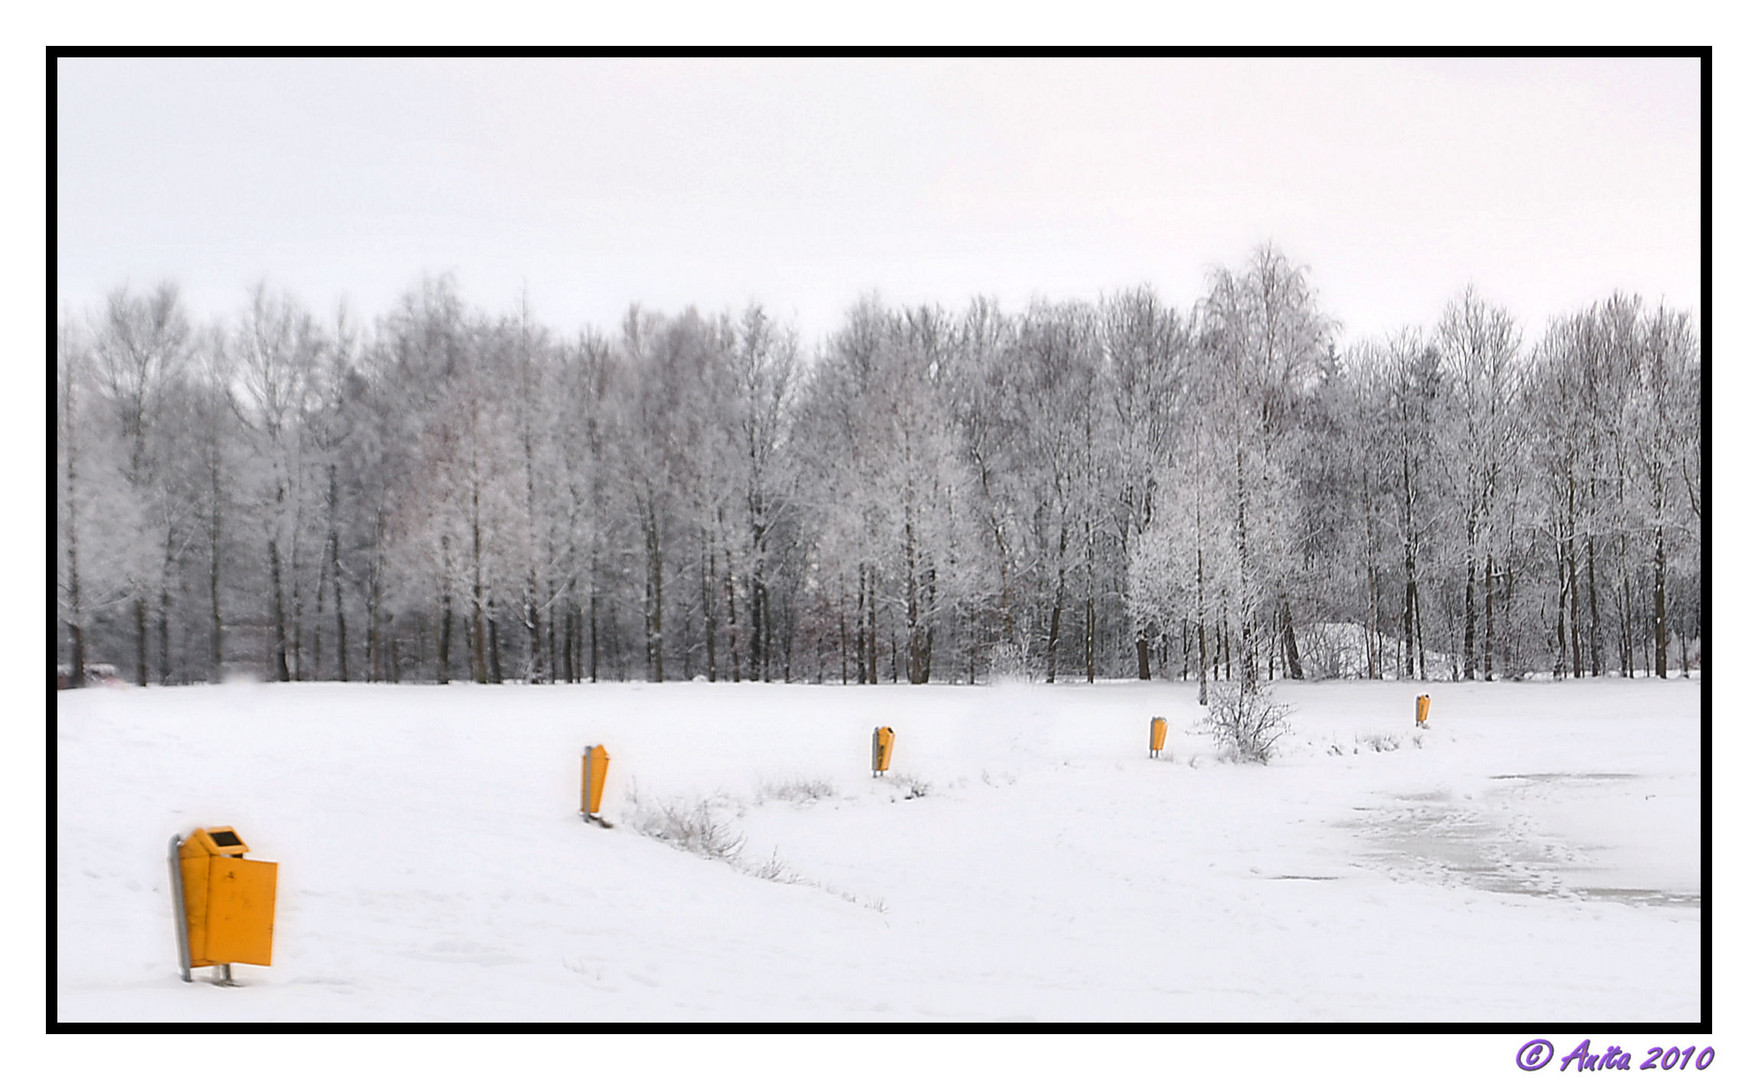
(1024, 860)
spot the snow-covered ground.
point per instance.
(1534, 857)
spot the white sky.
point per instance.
(804, 183)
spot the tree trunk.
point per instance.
(1574, 588)
(1421, 646)
(873, 626)
(277, 602)
(1290, 644)
(445, 637)
(216, 632)
(494, 645)
(1247, 653)
(552, 663)
(1369, 555)
(1056, 606)
(1627, 636)
(534, 667)
(296, 633)
(164, 627)
(592, 613)
(76, 622)
(757, 645)
(375, 642)
(1409, 611)
(707, 572)
(1202, 631)
(76, 611)
(140, 640)
(1660, 640)
(1471, 592)
(1226, 656)
(341, 615)
(1489, 618)
(1089, 634)
(928, 634)
(918, 662)
(1562, 609)
(478, 617)
(1595, 646)
(570, 620)
(861, 624)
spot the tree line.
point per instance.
(1081, 490)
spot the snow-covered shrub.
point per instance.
(697, 829)
(1333, 650)
(913, 788)
(796, 790)
(1381, 744)
(1244, 725)
(773, 869)
(1010, 662)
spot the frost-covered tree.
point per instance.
(1147, 385)
(1264, 339)
(1109, 487)
(1479, 347)
(140, 351)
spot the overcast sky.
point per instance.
(806, 183)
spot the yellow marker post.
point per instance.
(882, 740)
(225, 903)
(1422, 711)
(1156, 736)
(594, 763)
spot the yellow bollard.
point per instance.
(1422, 711)
(882, 740)
(225, 903)
(1156, 736)
(594, 763)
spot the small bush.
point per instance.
(800, 791)
(1245, 726)
(1011, 663)
(1382, 744)
(773, 869)
(912, 787)
(696, 829)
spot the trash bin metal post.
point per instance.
(178, 913)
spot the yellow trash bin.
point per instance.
(594, 763)
(1422, 710)
(225, 902)
(1156, 736)
(882, 740)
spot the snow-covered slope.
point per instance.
(1024, 859)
